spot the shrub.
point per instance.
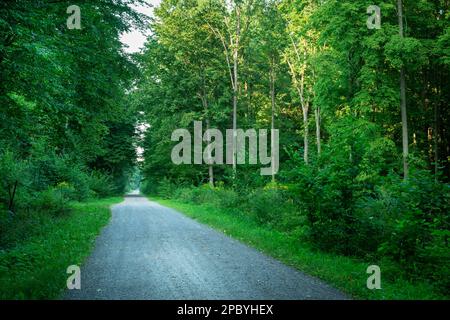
(166, 188)
(205, 194)
(185, 194)
(372, 223)
(228, 199)
(219, 196)
(266, 206)
(148, 187)
(101, 184)
(326, 195)
(13, 176)
(52, 202)
(76, 176)
(418, 234)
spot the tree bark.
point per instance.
(436, 140)
(306, 135)
(204, 99)
(403, 100)
(12, 196)
(304, 106)
(301, 92)
(210, 166)
(236, 84)
(272, 98)
(317, 117)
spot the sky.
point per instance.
(135, 39)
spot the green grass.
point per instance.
(36, 268)
(344, 273)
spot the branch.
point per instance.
(218, 34)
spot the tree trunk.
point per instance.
(317, 117)
(210, 165)
(235, 86)
(204, 99)
(272, 97)
(403, 100)
(436, 140)
(304, 104)
(305, 139)
(12, 195)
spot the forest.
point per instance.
(67, 132)
(361, 110)
(362, 115)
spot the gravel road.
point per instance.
(149, 251)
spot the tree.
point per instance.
(299, 58)
(405, 143)
(235, 24)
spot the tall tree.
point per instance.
(405, 142)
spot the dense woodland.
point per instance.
(66, 128)
(362, 116)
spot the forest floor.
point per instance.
(149, 251)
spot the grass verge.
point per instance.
(344, 273)
(36, 268)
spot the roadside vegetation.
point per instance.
(66, 135)
(272, 227)
(35, 266)
(362, 115)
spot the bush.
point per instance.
(166, 188)
(326, 195)
(52, 202)
(147, 187)
(267, 206)
(228, 199)
(13, 176)
(76, 176)
(372, 223)
(218, 196)
(101, 184)
(48, 169)
(185, 194)
(418, 229)
(434, 259)
(205, 194)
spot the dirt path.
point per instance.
(152, 252)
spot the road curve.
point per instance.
(148, 251)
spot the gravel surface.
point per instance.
(149, 251)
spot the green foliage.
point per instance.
(417, 233)
(313, 70)
(66, 126)
(405, 52)
(36, 267)
(148, 187)
(64, 107)
(348, 274)
(53, 201)
(227, 198)
(101, 184)
(71, 101)
(12, 176)
(166, 188)
(266, 205)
